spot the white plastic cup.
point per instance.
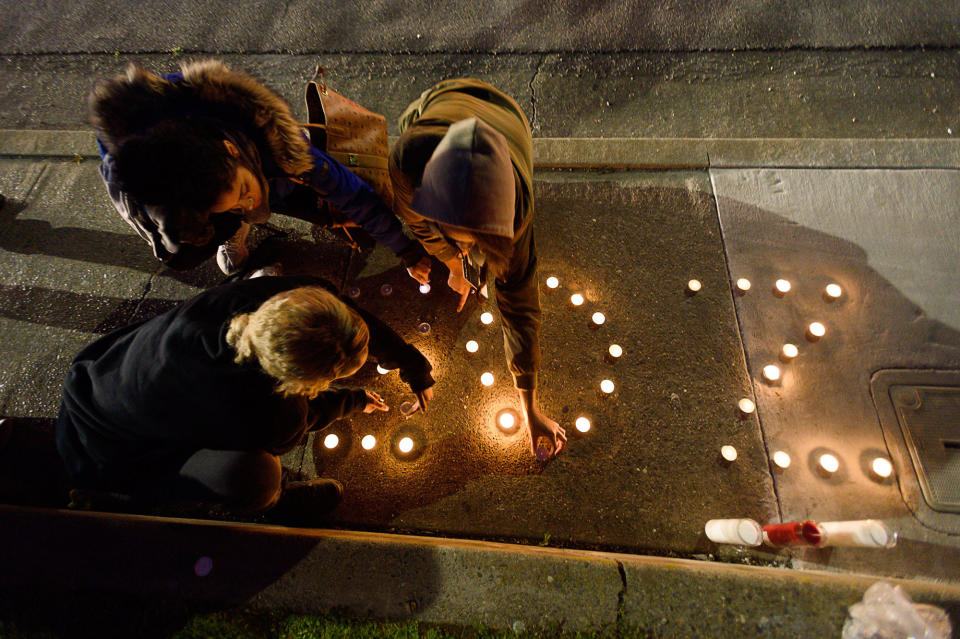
(866, 533)
(744, 532)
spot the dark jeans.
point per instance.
(243, 481)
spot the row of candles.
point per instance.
(880, 467)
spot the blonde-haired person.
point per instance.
(196, 404)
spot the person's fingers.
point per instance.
(463, 299)
(422, 400)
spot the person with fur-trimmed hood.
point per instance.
(462, 173)
(192, 159)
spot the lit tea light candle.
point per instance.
(423, 328)
(833, 291)
(582, 424)
(486, 318)
(743, 285)
(781, 459)
(576, 299)
(472, 346)
(382, 370)
(487, 379)
(552, 282)
(386, 289)
(405, 445)
(331, 441)
(816, 330)
(782, 286)
(771, 372)
(694, 286)
(882, 467)
(607, 386)
(368, 442)
(788, 352)
(599, 318)
(746, 406)
(729, 453)
(424, 288)
(615, 351)
(829, 463)
(354, 291)
(507, 420)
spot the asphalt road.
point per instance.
(301, 26)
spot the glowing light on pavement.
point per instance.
(576, 299)
(782, 286)
(487, 379)
(331, 441)
(382, 370)
(552, 282)
(829, 463)
(833, 291)
(693, 286)
(405, 445)
(607, 386)
(615, 351)
(781, 459)
(746, 406)
(729, 453)
(582, 424)
(424, 288)
(472, 346)
(368, 442)
(882, 467)
(486, 318)
(816, 330)
(743, 285)
(789, 351)
(771, 372)
(599, 318)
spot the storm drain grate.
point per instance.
(929, 418)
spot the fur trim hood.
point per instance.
(129, 104)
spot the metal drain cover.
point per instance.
(929, 418)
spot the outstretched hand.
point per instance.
(423, 398)
(374, 402)
(421, 270)
(547, 437)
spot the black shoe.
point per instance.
(306, 503)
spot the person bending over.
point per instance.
(196, 404)
(192, 159)
(462, 172)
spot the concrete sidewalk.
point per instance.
(648, 475)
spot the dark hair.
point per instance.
(180, 164)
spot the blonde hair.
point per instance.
(304, 338)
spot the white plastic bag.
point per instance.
(886, 612)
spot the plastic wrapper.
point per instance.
(887, 612)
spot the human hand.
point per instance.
(374, 402)
(458, 282)
(421, 270)
(547, 437)
(423, 398)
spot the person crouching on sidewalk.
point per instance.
(192, 159)
(196, 404)
(462, 173)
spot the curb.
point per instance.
(448, 581)
(627, 153)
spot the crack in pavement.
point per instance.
(534, 126)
